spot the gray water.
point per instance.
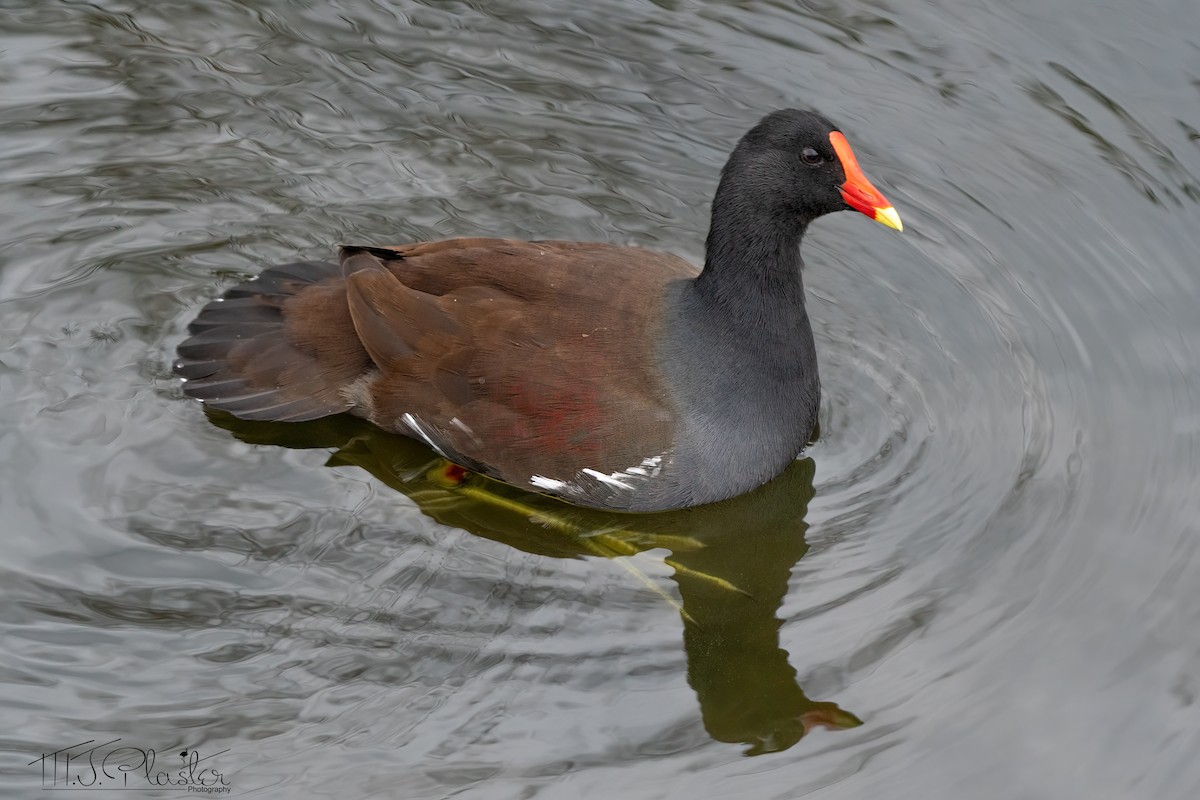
(994, 590)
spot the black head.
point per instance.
(794, 166)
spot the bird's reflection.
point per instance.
(731, 561)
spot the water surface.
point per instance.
(989, 560)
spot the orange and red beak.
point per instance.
(857, 191)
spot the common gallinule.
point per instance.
(609, 376)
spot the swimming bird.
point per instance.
(609, 376)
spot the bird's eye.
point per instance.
(810, 156)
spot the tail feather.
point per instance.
(280, 347)
(282, 279)
(244, 310)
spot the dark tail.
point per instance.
(280, 347)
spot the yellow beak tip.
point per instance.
(888, 216)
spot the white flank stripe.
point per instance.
(611, 480)
(411, 422)
(550, 484)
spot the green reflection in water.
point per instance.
(731, 560)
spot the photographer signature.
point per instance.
(112, 765)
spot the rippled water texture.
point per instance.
(996, 573)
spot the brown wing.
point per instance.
(519, 359)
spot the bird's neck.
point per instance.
(752, 269)
(738, 349)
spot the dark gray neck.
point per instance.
(745, 312)
(738, 350)
(753, 275)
